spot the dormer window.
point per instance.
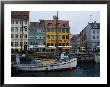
(93, 31)
(64, 25)
(49, 24)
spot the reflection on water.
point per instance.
(82, 70)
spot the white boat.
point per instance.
(66, 61)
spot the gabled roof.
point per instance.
(94, 25)
(20, 15)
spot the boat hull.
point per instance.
(33, 67)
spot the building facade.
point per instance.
(36, 36)
(57, 33)
(19, 30)
(75, 41)
(90, 36)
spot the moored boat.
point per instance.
(66, 61)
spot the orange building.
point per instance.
(57, 33)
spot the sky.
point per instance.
(78, 20)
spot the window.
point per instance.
(67, 36)
(20, 43)
(63, 37)
(64, 25)
(44, 43)
(12, 22)
(67, 30)
(25, 43)
(16, 35)
(98, 43)
(67, 44)
(49, 24)
(20, 35)
(25, 36)
(48, 30)
(12, 29)
(93, 31)
(52, 36)
(97, 37)
(16, 43)
(25, 29)
(25, 22)
(98, 31)
(16, 29)
(20, 22)
(51, 44)
(63, 30)
(48, 36)
(16, 22)
(59, 44)
(59, 38)
(12, 43)
(12, 35)
(59, 30)
(31, 43)
(52, 30)
(63, 44)
(48, 44)
(93, 37)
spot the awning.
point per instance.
(37, 46)
(15, 47)
(68, 46)
(51, 47)
(41, 46)
(65, 46)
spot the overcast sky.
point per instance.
(77, 19)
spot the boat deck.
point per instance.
(48, 61)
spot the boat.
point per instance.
(66, 61)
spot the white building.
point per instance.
(19, 21)
(90, 36)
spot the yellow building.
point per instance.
(57, 35)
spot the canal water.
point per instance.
(89, 69)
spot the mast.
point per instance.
(57, 34)
(22, 35)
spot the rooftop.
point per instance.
(20, 15)
(94, 25)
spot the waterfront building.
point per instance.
(75, 41)
(57, 33)
(19, 30)
(36, 36)
(90, 36)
